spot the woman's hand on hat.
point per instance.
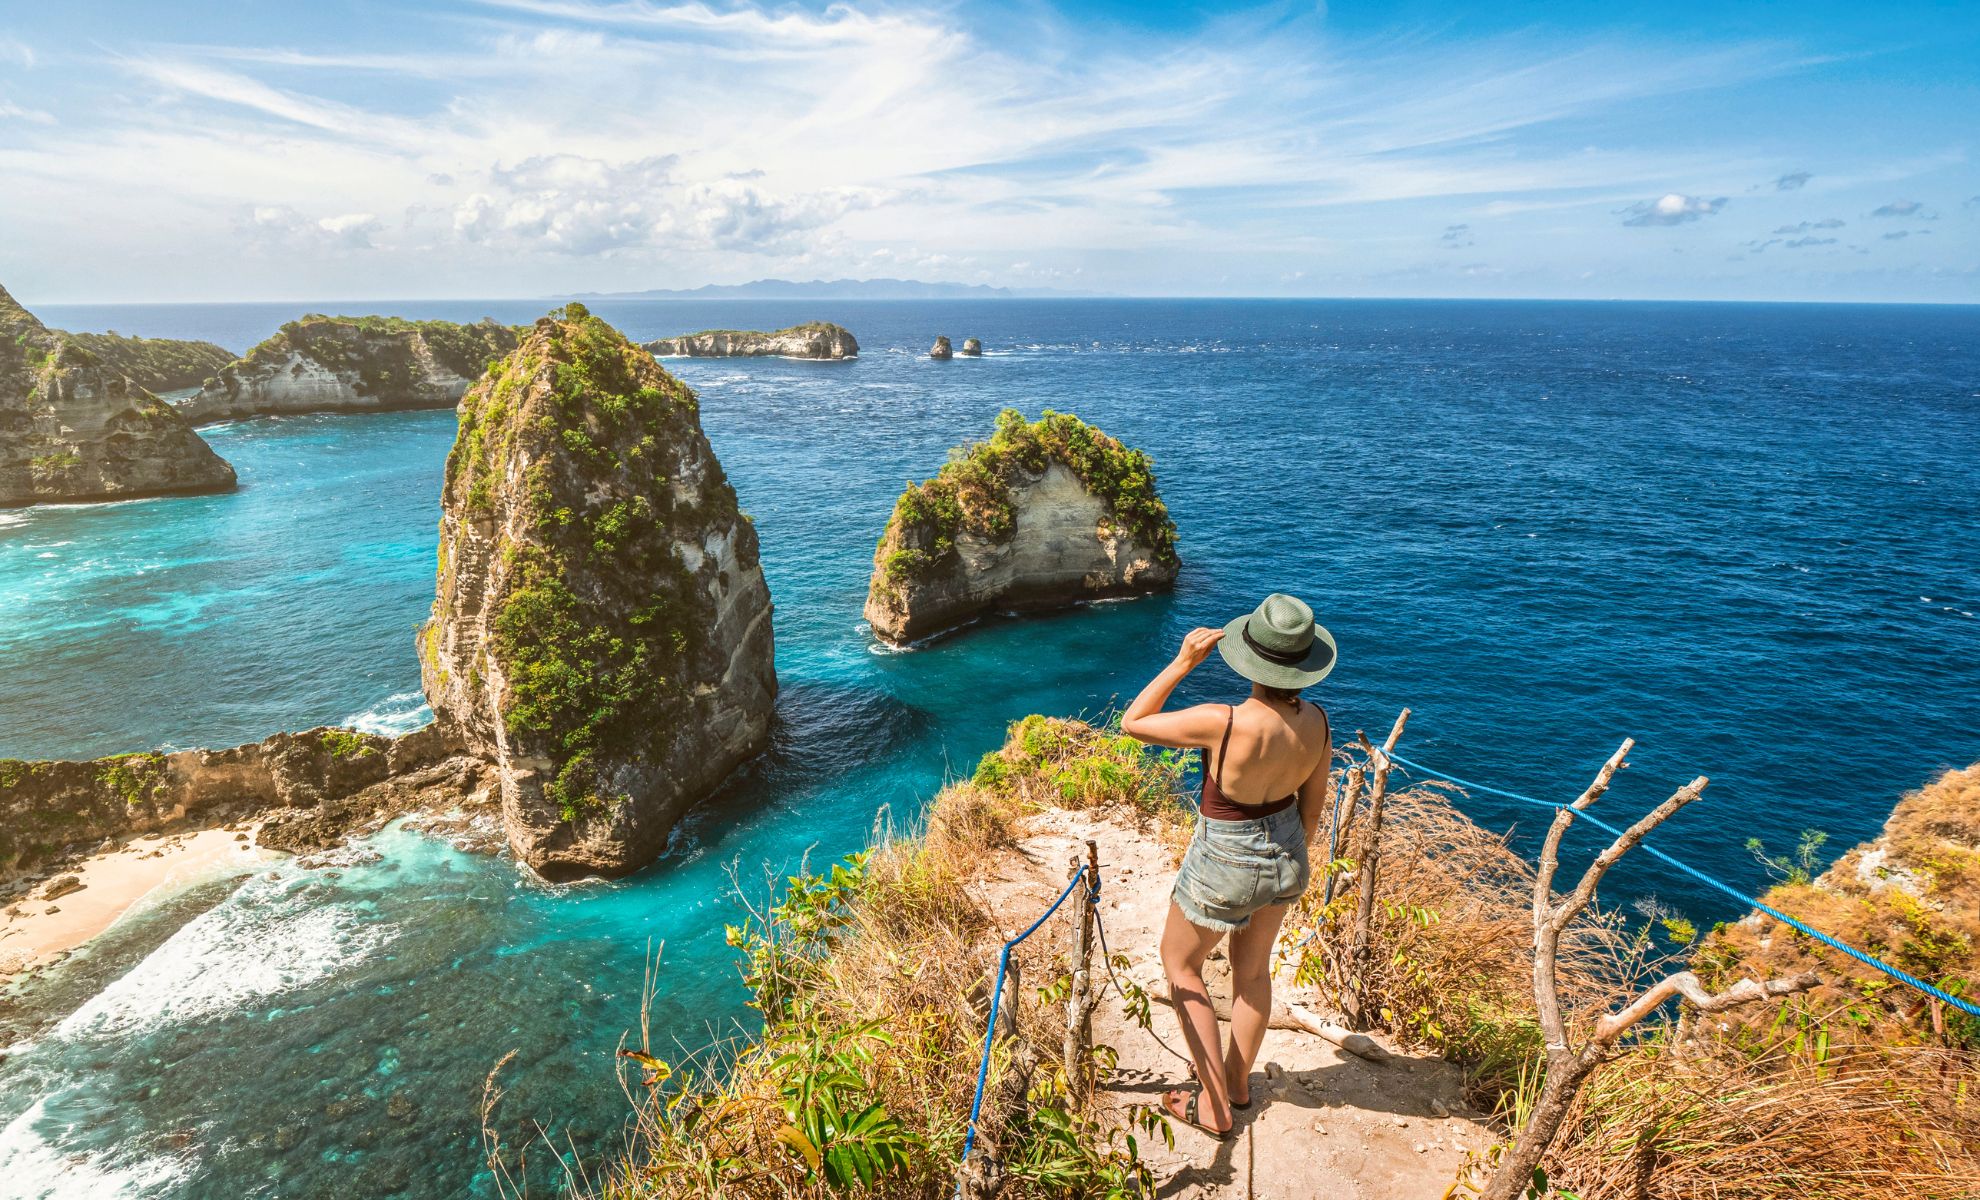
(1196, 646)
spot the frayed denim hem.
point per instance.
(1197, 917)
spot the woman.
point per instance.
(1265, 765)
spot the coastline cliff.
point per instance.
(601, 626)
(73, 427)
(1910, 895)
(351, 364)
(814, 339)
(1044, 514)
(156, 364)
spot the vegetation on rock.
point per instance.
(75, 426)
(158, 364)
(597, 671)
(972, 492)
(377, 350)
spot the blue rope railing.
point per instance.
(1862, 956)
(996, 999)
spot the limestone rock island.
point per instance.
(941, 351)
(972, 348)
(1044, 514)
(815, 339)
(601, 626)
(75, 428)
(351, 364)
(157, 364)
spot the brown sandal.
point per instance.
(1188, 1115)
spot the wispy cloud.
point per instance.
(1672, 208)
(18, 53)
(14, 112)
(571, 143)
(1903, 208)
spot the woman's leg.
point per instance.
(1184, 947)
(1251, 997)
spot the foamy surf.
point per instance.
(273, 935)
(394, 716)
(34, 1169)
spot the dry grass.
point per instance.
(875, 991)
(1451, 959)
(1854, 1091)
(1912, 897)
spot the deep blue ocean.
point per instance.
(1743, 534)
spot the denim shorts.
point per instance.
(1234, 868)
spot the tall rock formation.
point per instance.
(816, 339)
(74, 428)
(972, 348)
(601, 628)
(351, 364)
(942, 351)
(1044, 514)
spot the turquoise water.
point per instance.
(1742, 534)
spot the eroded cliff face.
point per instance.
(817, 339)
(351, 364)
(1042, 515)
(75, 428)
(601, 626)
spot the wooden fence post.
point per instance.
(1355, 995)
(1082, 1001)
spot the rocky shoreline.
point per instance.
(306, 791)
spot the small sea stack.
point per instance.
(601, 626)
(73, 427)
(972, 348)
(814, 339)
(1045, 514)
(351, 364)
(941, 351)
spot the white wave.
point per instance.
(265, 939)
(397, 714)
(11, 520)
(35, 1170)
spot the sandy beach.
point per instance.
(39, 927)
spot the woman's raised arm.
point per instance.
(1144, 719)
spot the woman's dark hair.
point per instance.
(1282, 695)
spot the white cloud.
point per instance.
(14, 112)
(18, 53)
(1672, 208)
(566, 144)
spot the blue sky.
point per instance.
(427, 148)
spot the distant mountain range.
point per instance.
(835, 289)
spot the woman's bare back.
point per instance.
(1273, 751)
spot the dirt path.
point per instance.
(1322, 1122)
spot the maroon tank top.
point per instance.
(1217, 806)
